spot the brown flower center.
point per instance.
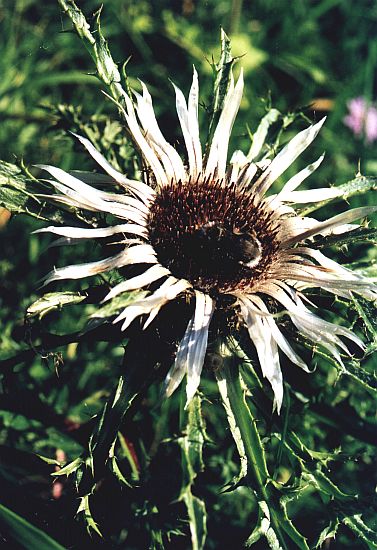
(213, 235)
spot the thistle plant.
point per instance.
(216, 273)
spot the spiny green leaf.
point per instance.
(361, 530)
(13, 188)
(97, 47)
(360, 184)
(191, 444)
(114, 467)
(197, 514)
(21, 193)
(328, 532)
(193, 440)
(368, 313)
(289, 528)
(264, 529)
(324, 485)
(350, 368)
(357, 236)
(138, 372)
(275, 524)
(301, 452)
(130, 455)
(69, 468)
(51, 461)
(52, 301)
(18, 194)
(222, 75)
(16, 529)
(84, 510)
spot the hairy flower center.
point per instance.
(213, 235)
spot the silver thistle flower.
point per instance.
(208, 230)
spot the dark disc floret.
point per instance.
(212, 234)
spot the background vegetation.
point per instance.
(298, 55)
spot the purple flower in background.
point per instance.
(362, 119)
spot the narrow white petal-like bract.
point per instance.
(149, 276)
(172, 162)
(266, 347)
(298, 178)
(168, 291)
(218, 153)
(179, 368)
(276, 334)
(148, 153)
(137, 254)
(238, 161)
(193, 121)
(145, 305)
(247, 175)
(313, 195)
(299, 313)
(137, 187)
(100, 233)
(286, 156)
(85, 270)
(183, 117)
(94, 200)
(197, 344)
(260, 135)
(70, 181)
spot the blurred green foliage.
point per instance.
(56, 375)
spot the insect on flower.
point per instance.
(209, 230)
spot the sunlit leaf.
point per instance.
(84, 511)
(69, 468)
(52, 301)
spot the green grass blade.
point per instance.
(17, 529)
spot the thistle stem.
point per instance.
(244, 430)
(242, 424)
